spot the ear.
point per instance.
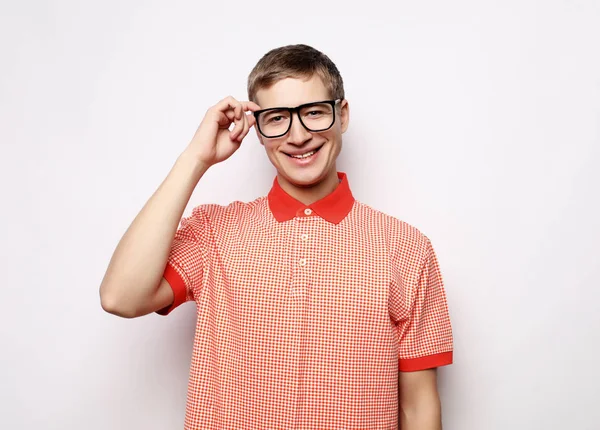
(344, 115)
(260, 136)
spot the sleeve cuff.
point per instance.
(428, 362)
(177, 285)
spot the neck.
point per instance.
(309, 195)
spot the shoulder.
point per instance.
(234, 212)
(403, 239)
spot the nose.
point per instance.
(298, 134)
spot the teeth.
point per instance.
(308, 154)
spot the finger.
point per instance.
(230, 103)
(246, 128)
(237, 129)
(230, 115)
(223, 119)
(250, 106)
(240, 135)
(251, 120)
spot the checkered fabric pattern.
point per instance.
(306, 314)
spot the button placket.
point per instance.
(296, 309)
(303, 250)
(301, 260)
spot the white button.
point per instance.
(304, 237)
(307, 211)
(302, 262)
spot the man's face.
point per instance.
(298, 141)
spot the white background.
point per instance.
(478, 122)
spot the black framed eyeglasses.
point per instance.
(314, 116)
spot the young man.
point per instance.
(311, 306)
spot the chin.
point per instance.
(304, 178)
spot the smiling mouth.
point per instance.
(305, 155)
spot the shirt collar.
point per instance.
(333, 208)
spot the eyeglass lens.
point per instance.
(315, 117)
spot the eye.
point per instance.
(275, 117)
(316, 111)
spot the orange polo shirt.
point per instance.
(305, 313)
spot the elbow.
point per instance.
(425, 413)
(114, 305)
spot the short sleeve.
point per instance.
(187, 258)
(425, 338)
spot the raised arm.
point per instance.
(133, 284)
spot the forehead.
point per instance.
(290, 92)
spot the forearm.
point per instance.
(136, 267)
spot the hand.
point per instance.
(213, 142)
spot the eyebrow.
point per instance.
(294, 107)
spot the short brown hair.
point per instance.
(295, 61)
